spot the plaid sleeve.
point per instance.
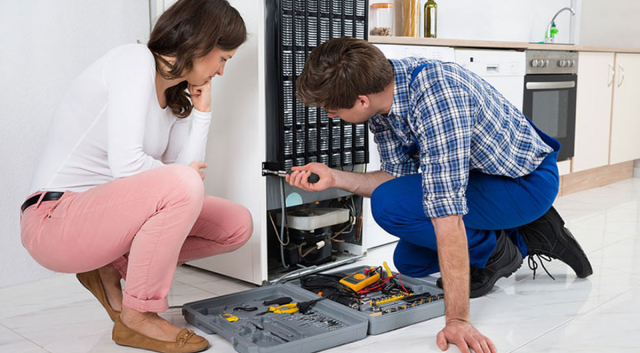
(445, 116)
(393, 159)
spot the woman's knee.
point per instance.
(244, 224)
(184, 181)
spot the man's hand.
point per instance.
(201, 96)
(465, 336)
(197, 166)
(300, 177)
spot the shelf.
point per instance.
(465, 43)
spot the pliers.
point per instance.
(282, 309)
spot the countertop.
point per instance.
(461, 43)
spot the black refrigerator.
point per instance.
(297, 135)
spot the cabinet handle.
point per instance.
(621, 70)
(612, 73)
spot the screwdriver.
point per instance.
(279, 301)
(313, 178)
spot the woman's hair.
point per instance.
(341, 69)
(188, 30)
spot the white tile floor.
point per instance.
(598, 314)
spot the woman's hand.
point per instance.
(201, 96)
(465, 336)
(299, 177)
(197, 166)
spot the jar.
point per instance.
(382, 16)
(411, 18)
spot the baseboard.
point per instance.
(592, 178)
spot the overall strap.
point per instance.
(413, 149)
(415, 73)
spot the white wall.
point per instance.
(500, 20)
(44, 45)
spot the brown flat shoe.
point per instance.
(91, 280)
(186, 340)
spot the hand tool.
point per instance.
(313, 178)
(291, 308)
(282, 309)
(279, 301)
(245, 308)
(415, 297)
(387, 269)
(304, 307)
(387, 299)
(229, 317)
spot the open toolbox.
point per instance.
(303, 321)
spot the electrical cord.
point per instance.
(284, 219)
(275, 228)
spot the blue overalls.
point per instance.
(495, 203)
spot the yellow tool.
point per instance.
(361, 279)
(229, 317)
(386, 267)
(387, 300)
(282, 309)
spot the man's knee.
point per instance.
(413, 267)
(380, 205)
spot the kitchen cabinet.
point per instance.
(593, 110)
(625, 117)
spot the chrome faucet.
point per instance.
(548, 37)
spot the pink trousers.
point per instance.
(145, 225)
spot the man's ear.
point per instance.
(363, 101)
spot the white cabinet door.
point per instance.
(625, 120)
(593, 110)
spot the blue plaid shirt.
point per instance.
(447, 123)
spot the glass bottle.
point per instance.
(430, 19)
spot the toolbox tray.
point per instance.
(282, 333)
(398, 319)
(299, 336)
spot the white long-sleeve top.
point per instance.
(110, 125)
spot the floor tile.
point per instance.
(61, 324)
(28, 297)
(11, 342)
(613, 327)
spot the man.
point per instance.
(467, 182)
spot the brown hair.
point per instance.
(340, 70)
(188, 30)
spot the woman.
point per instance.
(104, 202)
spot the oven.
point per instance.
(550, 95)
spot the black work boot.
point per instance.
(547, 236)
(505, 260)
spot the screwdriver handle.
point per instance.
(313, 178)
(278, 301)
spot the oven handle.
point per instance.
(551, 85)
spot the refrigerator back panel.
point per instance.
(297, 135)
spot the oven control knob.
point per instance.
(545, 63)
(534, 63)
(572, 63)
(562, 63)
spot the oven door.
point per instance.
(550, 102)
